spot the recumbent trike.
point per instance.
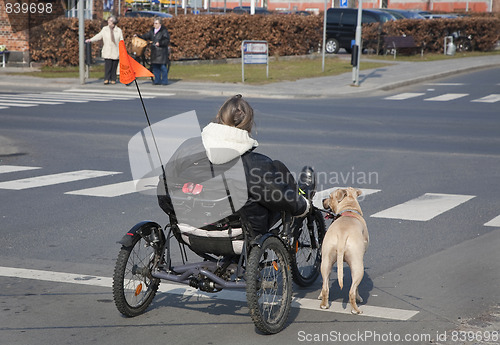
(232, 257)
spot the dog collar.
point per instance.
(349, 211)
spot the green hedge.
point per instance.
(429, 34)
(220, 36)
(192, 37)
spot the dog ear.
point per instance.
(359, 192)
(326, 203)
(340, 194)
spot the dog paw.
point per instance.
(322, 306)
(356, 312)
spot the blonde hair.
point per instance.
(236, 112)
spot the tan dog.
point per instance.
(346, 240)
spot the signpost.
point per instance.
(254, 52)
(356, 51)
(343, 3)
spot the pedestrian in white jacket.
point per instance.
(111, 35)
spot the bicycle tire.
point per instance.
(269, 285)
(133, 286)
(305, 252)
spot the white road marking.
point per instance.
(494, 222)
(47, 180)
(405, 95)
(27, 101)
(493, 98)
(118, 189)
(130, 93)
(323, 194)
(10, 104)
(54, 98)
(447, 84)
(103, 96)
(184, 290)
(425, 207)
(94, 97)
(447, 97)
(14, 168)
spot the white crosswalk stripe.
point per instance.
(26, 100)
(403, 96)
(132, 92)
(425, 207)
(11, 104)
(323, 194)
(68, 96)
(446, 97)
(446, 84)
(494, 222)
(118, 189)
(47, 180)
(493, 98)
(13, 168)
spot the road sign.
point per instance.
(343, 3)
(254, 52)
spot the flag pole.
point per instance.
(129, 71)
(152, 134)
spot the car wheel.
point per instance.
(332, 46)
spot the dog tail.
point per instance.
(340, 261)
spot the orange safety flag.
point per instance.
(129, 68)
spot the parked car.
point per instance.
(300, 13)
(246, 10)
(147, 14)
(341, 26)
(434, 16)
(402, 14)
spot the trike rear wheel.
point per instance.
(133, 286)
(269, 285)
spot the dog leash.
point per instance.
(329, 215)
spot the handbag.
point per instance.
(138, 46)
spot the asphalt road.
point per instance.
(410, 151)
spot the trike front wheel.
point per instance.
(133, 286)
(306, 249)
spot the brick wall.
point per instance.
(438, 5)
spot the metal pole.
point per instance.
(324, 38)
(81, 41)
(267, 61)
(355, 70)
(242, 62)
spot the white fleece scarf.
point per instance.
(225, 143)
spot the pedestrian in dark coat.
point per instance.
(160, 40)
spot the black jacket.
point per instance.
(159, 55)
(270, 187)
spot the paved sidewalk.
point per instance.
(396, 74)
